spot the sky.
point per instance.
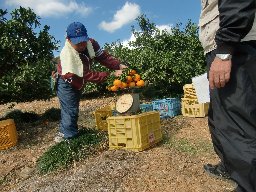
(107, 20)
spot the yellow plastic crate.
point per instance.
(189, 91)
(135, 132)
(101, 116)
(194, 110)
(8, 134)
(188, 86)
(188, 101)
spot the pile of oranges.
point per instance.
(129, 79)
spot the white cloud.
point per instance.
(128, 13)
(47, 8)
(126, 41)
(168, 28)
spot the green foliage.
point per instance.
(166, 60)
(19, 43)
(25, 56)
(29, 82)
(63, 154)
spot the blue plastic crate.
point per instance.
(168, 107)
(145, 107)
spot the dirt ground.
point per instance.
(173, 165)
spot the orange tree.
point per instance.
(25, 56)
(166, 60)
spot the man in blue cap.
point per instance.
(74, 71)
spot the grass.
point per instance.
(64, 153)
(197, 148)
(171, 127)
(189, 146)
(2, 181)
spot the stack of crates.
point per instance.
(103, 113)
(135, 132)
(168, 107)
(8, 134)
(145, 107)
(189, 104)
(101, 116)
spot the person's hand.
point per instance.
(219, 73)
(122, 66)
(54, 74)
(117, 73)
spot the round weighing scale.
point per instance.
(128, 103)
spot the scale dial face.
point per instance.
(124, 103)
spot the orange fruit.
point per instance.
(132, 84)
(128, 79)
(124, 85)
(108, 88)
(117, 83)
(132, 72)
(114, 88)
(140, 83)
(136, 77)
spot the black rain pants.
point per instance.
(232, 117)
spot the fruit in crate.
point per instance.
(130, 79)
(140, 83)
(117, 83)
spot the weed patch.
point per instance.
(64, 153)
(2, 181)
(184, 145)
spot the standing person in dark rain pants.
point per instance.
(228, 36)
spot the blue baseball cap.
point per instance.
(77, 33)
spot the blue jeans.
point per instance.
(69, 104)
